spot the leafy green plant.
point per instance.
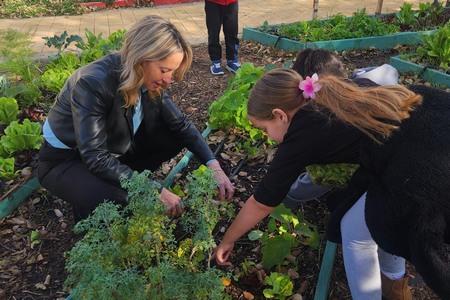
(8, 91)
(406, 16)
(436, 48)
(59, 70)
(230, 110)
(13, 9)
(337, 27)
(97, 47)
(281, 286)
(62, 41)
(246, 265)
(332, 175)
(19, 65)
(363, 25)
(429, 15)
(7, 168)
(20, 137)
(35, 238)
(9, 109)
(64, 64)
(3, 152)
(284, 232)
(140, 253)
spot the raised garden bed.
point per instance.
(360, 31)
(428, 74)
(380, 42)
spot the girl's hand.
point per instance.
(226, 189)
(172, 202)
(222, 253)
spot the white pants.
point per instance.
(362, 257)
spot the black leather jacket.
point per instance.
(89, 116)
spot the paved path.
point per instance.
(188, 17)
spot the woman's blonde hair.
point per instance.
(150, 39)
(376, 111)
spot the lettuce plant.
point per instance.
(20, 137)
(8, 110)
(282, 286)
(7, 168)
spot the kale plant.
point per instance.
(138, 252)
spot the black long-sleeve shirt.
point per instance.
(313, 137)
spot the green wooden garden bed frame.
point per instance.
(17, 195)
(380, 42)
(401, 63)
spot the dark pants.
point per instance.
(216, 16)
(63, 173)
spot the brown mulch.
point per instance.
(36, 270)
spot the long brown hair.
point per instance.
(376, 111)
(150, 39)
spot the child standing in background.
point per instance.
(222, 13)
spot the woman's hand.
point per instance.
(222, 253)
(172, 202)
(226, 189)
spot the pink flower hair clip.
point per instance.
(310, 86)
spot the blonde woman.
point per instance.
(397, 200)
(113, 117)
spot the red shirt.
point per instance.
(222, 2)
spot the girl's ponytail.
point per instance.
(376, 111)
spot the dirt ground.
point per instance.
(36, 270)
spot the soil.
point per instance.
(35, 269)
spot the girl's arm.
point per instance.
(250, 214)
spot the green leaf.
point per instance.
(23, 136)
(8, 110)
(255, 235)
(275, 249)
(283, 214)
(281, 286)
(7, 168)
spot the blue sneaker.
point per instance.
(216, 68)
(233, 65)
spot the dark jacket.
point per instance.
(408, 190)
(89, 115)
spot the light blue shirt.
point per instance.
(51, 138)
(138, 116)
